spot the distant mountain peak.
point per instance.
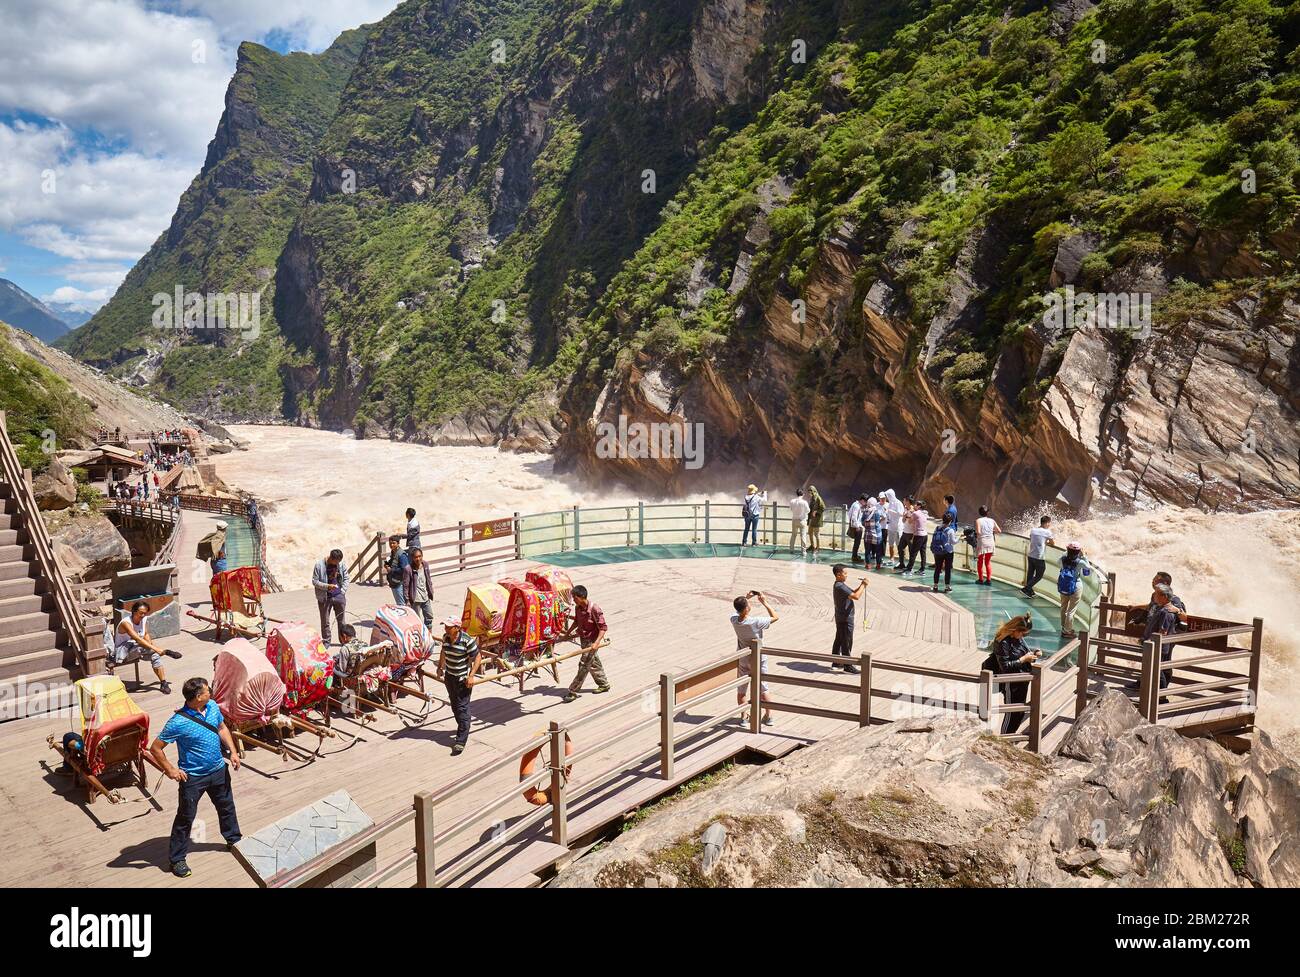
(20, 308)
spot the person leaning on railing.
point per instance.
(1011, 656)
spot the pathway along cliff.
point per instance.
(325, 490)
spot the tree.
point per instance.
(1076, 151)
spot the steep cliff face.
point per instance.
(905, 295)
(859, 243)
(491, 167)
(227, 232)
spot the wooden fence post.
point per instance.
(460, 541)
(559, 802)
(577, 532)
(755, 684)
(706, 523)
(1081, 687)
(667, 710)
(640, 524)
(425, 867)
(1148, 680)
(1035, 707)
(1256, 646)
(519, 543)
(985, 695)
(864, 691)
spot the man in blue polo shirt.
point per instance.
(201, 738)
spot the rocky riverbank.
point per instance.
(939, 802)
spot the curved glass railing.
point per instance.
(699, 528)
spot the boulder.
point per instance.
(1110, 716)
(54, 488)
(99, 548)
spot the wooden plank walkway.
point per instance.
(663, 616)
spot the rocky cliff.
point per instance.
(937, 802)
(224, 239)
(1045, 251)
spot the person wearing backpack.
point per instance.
(203, 745)
(941, 546)
(1069, 585)
(396, 564)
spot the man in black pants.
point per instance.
(843, 595)
(458, 662)
(203, 744)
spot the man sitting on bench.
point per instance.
(131, 642)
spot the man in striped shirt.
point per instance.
(458, 662)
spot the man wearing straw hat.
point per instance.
(752, 510)
(458, 662)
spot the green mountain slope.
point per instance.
(226, 236)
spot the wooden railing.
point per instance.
(448, 549)
(207, 503)
(84, 636)
(675, 694)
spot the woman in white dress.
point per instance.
(986, 528)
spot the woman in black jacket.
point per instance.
(1011, 656)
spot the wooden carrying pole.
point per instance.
(540, 663)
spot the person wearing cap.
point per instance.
(1069, 585)
(799, 521)
(590, 627)
(458, 663)
(752, 509)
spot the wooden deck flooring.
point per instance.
(663, 616)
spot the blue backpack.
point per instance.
(939, 541)
(1067, 581)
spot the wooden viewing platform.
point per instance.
(457, 820)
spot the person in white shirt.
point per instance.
(799, 521)
(856, 512)
(986, 529)
(920, 536)
(1036, 555)
(894, 520)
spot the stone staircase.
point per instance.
(36, 668)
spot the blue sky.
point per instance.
(106, 110)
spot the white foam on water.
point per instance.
(328, 489)
(1234, 566)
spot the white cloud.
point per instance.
(310, 24)
(111, 66)
(129, 93)
(82, 205)
(79, 299)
